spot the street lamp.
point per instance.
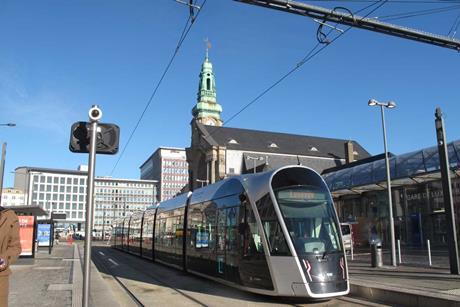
(2, 162)
(389, 105)
(254, 159)
(202, 181)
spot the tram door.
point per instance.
(220, 248)
(227, 254)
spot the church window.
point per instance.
(208, 84)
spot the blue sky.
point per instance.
(57, 58)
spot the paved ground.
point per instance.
(43, 281)
(157, 285)
(119, 279)
(411, 283)
(55, 280)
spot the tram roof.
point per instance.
(226, 187)
(174, 203)
(410, 168)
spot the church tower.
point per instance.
(207, 110)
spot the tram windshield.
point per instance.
(310, 219)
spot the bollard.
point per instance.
(351, 249)
(376, 255)
(399, 251)
(429, 251)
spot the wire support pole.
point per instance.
(346, 18)
(451, 225)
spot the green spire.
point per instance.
(207, 110)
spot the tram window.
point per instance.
(310, 219)
(202, 220)
(272, 227)
(252, 242)
(232, 230)
(209, 220)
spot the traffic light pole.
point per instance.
(89, 211)
(347, 18)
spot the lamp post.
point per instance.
(389, 105)
(202, 181)
(2, 161)
(254, 159)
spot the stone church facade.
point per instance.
(217, 152)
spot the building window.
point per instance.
(208, 84)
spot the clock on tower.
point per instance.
(210, 122)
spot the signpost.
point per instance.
(92, 138)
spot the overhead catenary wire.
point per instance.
(453, 29)
(389, 1)
(188, 26)
(310, 55)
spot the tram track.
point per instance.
(130, 293)
(112, 262)
(97, 261)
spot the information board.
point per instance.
(43, 234)
(26, 234)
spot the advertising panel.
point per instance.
(43, 234)
(26, 234)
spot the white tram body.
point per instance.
(274, 233)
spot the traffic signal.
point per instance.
(107, 138)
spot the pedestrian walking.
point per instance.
(56, 239)
(10, 248)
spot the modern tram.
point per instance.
(274, 233)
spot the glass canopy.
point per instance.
(414, 167)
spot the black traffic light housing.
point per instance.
(107, 138)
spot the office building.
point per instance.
(169, 167)
(64, 191)
(12, 197)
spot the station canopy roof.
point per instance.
(410, 168)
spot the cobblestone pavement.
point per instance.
(43, 281)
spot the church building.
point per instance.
(217, 152)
